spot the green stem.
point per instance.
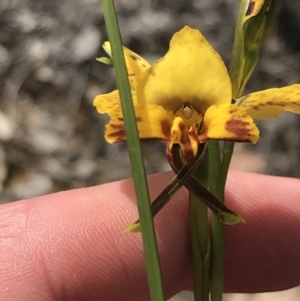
(236, 75)
(135, 154)
(226, 159)
(216, 187)
(200, 248)
(236, 71)
(200, 238)
(219, 169)
(249, 37)
(238, 60)
(218, 174)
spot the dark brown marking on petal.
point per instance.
(116, 126)
(233, 110)
(156, 138)
(250, 7)
(271, 103)
(151, 72)
(186, 146)
(121, 139)
(184, 133)
(185, 143)
(233, 101)
(131, 74)
(144, 65)
(188, 154)
(239, 127)
(138, 119)
(135, 57)
(119, 134)
(280, 103)
(234, 139)
(166, 128)
(182, 127)
(185, 138)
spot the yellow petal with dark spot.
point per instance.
(153, 121)
(135, 64)
(253, 8)
(180, 135)
(270, 103)
(229, 123)
(110, 104)
(190, 73)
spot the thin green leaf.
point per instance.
(135, 155)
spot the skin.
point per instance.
(71, 245)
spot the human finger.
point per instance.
(71, 245)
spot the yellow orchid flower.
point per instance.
(185, 98)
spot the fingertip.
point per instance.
(262, 255)
(74, 244)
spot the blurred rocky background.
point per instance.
(51, 137)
